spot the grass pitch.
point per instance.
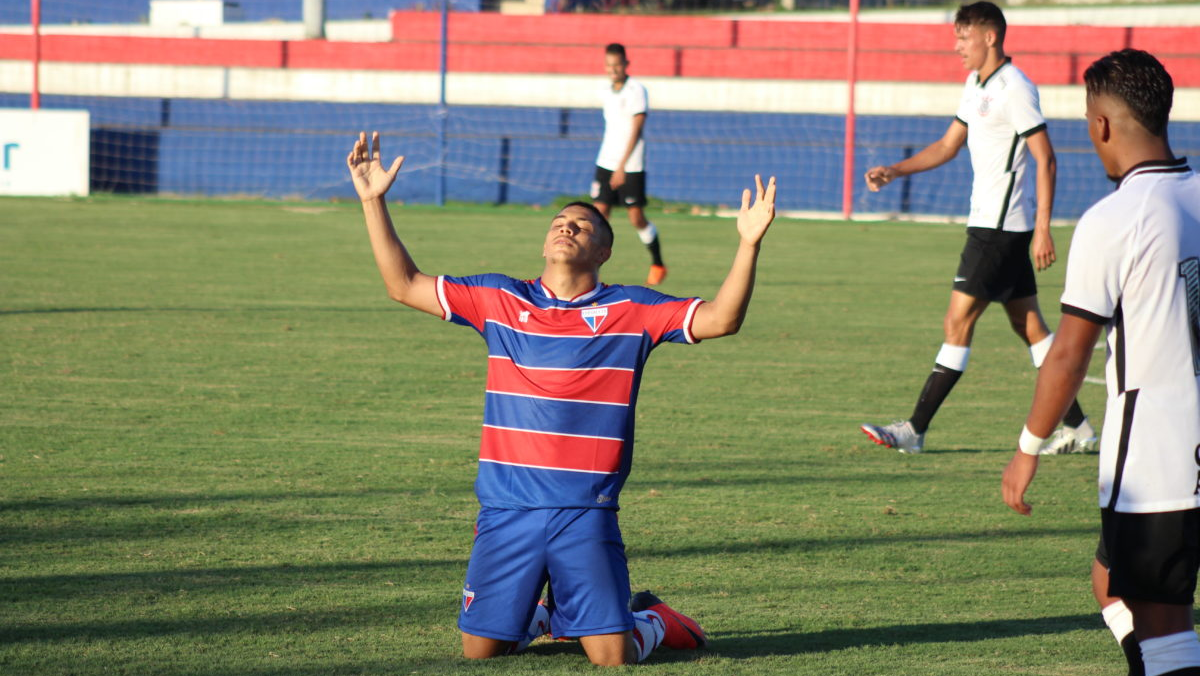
(224, 451)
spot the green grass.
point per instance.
(224, 451)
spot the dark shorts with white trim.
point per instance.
(995, 265)
(632, 192)
(1151, 557)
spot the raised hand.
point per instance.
(370, 179)
(877, 177)
(753, 221)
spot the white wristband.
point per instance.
(1030, 443)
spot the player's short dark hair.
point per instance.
(617, 49)
(598, 218)
(984, 14)
(1139, 81)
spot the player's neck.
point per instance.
(618, 85)
(567, 282)
(995, 59)
(1152, 150)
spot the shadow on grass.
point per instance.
(203, 310)
(761, 546)
(216, 580)
(232, 623)
(751, 645)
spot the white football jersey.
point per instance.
(1000, 113)
(1134, 266)
(619, 109)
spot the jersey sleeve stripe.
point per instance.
(688, 319)
(961, 121)
(550, 451)
(1031, 132)
(1084, 314)
(441, 295)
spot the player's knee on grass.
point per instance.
(481, 648)
(610, 650)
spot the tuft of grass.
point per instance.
(223, 450)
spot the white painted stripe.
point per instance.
(560, 469)
(569, 401)
(555, 368)
(555, 335)
(1093, 381)
(516, 89)
(557, 434)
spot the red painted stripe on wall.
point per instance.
(565, 29)
(165, 51)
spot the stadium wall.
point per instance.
(191, 116)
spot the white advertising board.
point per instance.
(43, 152)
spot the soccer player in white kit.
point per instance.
(1000, 121)
(621, 163)
(1134, 271)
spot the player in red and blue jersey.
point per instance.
(565, 358)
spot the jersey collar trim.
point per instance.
(982, 84)
(1178, 165)
(577, 299)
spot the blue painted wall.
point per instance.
(138, 11)
(533, 155)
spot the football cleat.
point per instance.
(681, 632)
(657, 274)
(1065, 440)
(900, 435)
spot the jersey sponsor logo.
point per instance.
(594, 316)
(985, 105)
(524, 318)
(468, 597)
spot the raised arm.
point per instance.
(1042, 248)
(724, 315)
(405, 282)
(934, 155)
(1058, 382)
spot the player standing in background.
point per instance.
(621, 162)
(1135, 271)
(1000, 122)
(565, 357)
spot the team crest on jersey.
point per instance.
(985, 105)
(594, 316)
(468, 597)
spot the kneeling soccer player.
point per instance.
(565, 357)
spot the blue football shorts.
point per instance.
(579, 551)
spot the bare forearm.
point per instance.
(931, 157)
(395, 264)
(724, 315)
(1047, 175)
(1058, 381)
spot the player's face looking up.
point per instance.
(972, 43)
(615, 66)
(575, 237)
